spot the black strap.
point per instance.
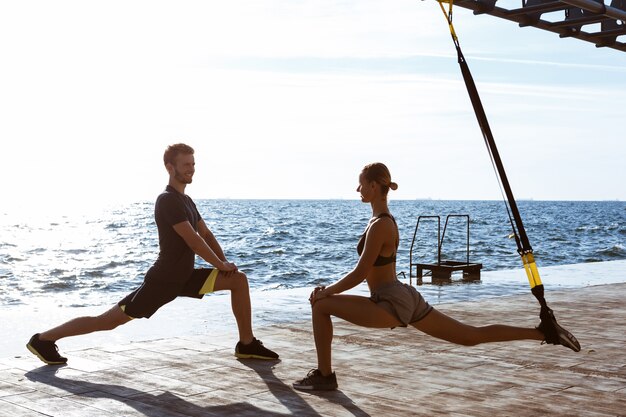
(521, 238)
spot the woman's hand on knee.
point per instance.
(317, 294)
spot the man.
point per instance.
(182, 235)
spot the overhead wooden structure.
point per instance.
(590, 20)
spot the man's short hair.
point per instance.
(173, 151)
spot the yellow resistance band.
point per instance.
(209, 284)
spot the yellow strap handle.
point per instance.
(448, 15)
(531, 269)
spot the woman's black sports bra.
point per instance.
(381, 260)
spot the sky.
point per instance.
(290, 99)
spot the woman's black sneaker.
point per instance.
(554, 333)
(315, 381)
(47, 351)
(254, 350)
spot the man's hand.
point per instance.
(228, 267)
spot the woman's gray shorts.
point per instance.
(403, 301)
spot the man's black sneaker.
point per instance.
(554, 333)
(45, 350)
(315, 381)
(254, 350)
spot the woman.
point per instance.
(393, 303)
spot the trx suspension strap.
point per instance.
(521, 239)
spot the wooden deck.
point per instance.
(397, 372)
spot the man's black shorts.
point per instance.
(154, 294)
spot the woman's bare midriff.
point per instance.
(381, 275)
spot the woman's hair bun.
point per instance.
(393, 185)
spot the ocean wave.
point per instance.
(597, 228)
(117, 264)
(270, 231)
(591, 259)
(316, 282)
(615, 251)
(57, 272)
(77, 251)
(120, 286)
(58, 286)
(11, 259)
(559, 238)
(268, 249)
(10, 301)
(280, 286)
(36, 251)
(116, 225)
(93, 273)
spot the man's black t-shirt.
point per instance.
(176, 260)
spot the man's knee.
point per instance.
(240, 280)
(113, 318)
(110, 325)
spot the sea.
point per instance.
(94, 257)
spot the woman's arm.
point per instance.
(374, 240)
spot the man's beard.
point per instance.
(181, 177)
